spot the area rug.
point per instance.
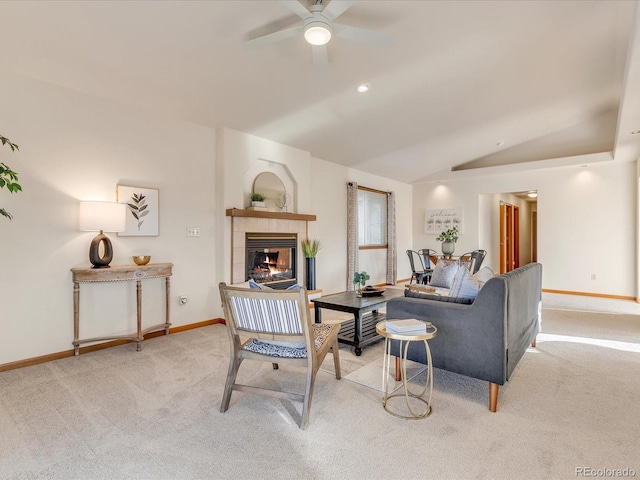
(371, 374)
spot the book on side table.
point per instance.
(409, 326)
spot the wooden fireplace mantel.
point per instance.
(237, 212)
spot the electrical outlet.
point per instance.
(193, 231)
(593, 276)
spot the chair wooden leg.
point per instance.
(275, 366)
(336, 359)
(308, 396)
(234, 365)
(533, 343)
(494, 388)
(398, 370)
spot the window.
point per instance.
(372, 218)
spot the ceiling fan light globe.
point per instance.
(317, 33)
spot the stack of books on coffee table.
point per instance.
(410, 326)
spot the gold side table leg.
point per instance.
(404, 347)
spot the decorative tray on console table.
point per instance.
(370, 291)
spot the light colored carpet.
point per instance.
(120, 414)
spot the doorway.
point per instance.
(509, 237)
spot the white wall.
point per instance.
(75, 147)
(586, 222)
(329, 192)
(72, 148)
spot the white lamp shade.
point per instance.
(105, 216)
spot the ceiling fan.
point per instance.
(318, 28)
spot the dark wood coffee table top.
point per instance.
(351, 301)
(361, 330)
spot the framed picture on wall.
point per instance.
(437, 221)
(142, 211)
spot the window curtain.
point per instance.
(392, 254)
(352, 233)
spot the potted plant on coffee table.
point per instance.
(360, 280)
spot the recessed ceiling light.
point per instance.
(532, 194)
(363, 87)
(635, 132)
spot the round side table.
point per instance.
(404, 340)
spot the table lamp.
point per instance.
(102, 217)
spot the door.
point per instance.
(509, 237)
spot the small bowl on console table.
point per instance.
(141, 259)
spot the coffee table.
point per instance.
(361, 330)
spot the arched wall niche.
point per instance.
(282, 172)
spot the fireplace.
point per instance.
(271, 259)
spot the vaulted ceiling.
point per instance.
(467, 87)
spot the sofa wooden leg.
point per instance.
(398, 371)
(533, 342)
(493, 396)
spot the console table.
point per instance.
(120, 273)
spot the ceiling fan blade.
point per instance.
(336, 8)
(360, 35)
(275, 36)
(297, 8)
(320, 58)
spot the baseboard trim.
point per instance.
(100, 346)
(588, 294)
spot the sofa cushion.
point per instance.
(411, 293)
(484, 274)
(443, 274)
(464, 285)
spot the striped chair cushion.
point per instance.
(280, 349)
(264, 315)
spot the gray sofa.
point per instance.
(485, 339)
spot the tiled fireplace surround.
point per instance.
(240, 225)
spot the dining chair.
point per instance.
(479, 258)
(275, 326)
(429, 258)
(417, 268)
(472, 260)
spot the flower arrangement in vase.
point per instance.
(360, 280)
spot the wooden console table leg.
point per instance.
(76, 318)
(167, 302)
(139, 311)
(398, 370)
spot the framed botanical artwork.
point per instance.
(437, 221)
(142, 211)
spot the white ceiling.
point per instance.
(550, 79)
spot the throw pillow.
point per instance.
(443, 274)
(295, 286)
(259, 286)
(484, 274)
(465, 285)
